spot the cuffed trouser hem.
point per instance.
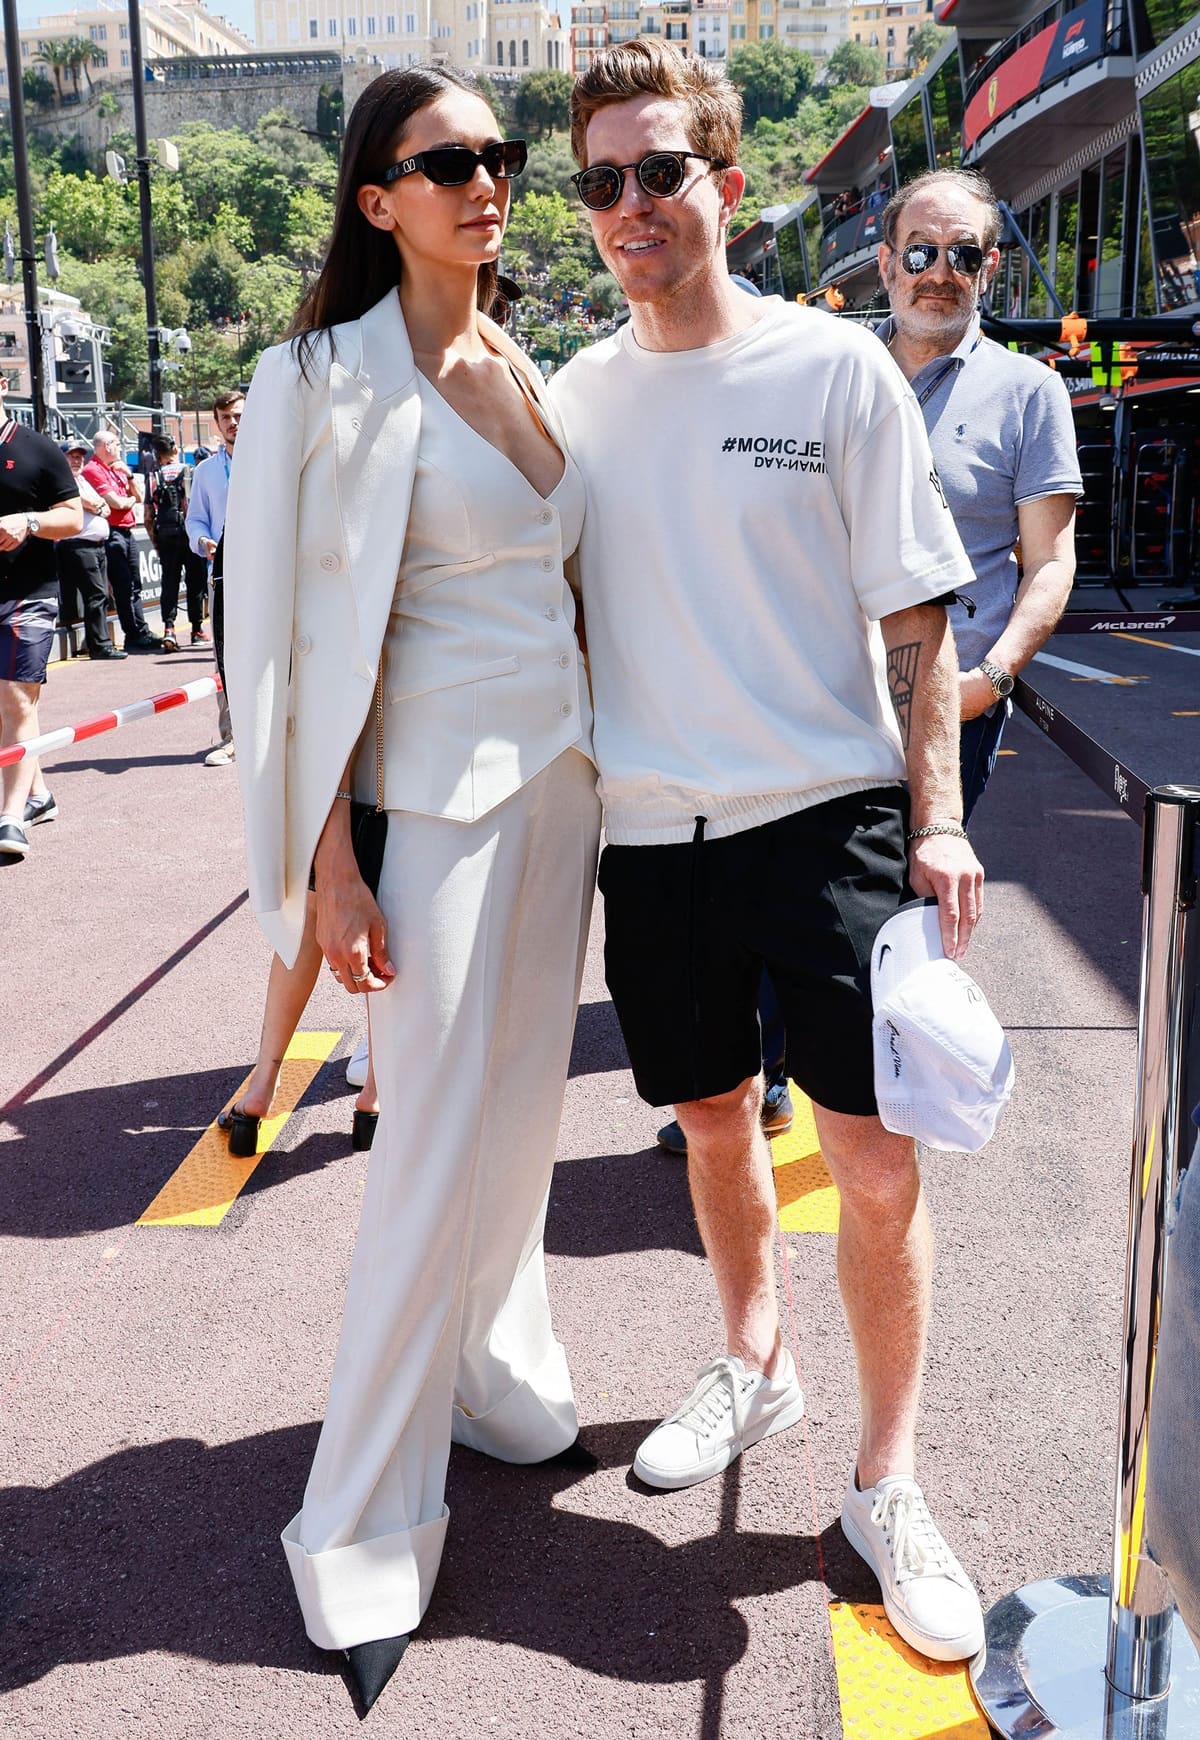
(535, 1420)
(370, 1589)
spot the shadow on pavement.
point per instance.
(174, 1546)
(611, 1203)
(125, 764)
(87, 1161)
(598, 1046)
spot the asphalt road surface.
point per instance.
(162, 1384)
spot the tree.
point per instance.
(306, 230)
(603, 292)
(37, 87)
(542, 103)
(853, 63)
(544, 224)
(549, 170)
(93, 217)
(771, 78)
(925, 42)
(55, 55)
(80, 51)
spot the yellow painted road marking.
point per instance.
(1190, 652)
(807, 1197)
(1006, 752)
(889, 1692)
(202, 1190)
(1188, 715)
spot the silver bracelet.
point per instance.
(347, 795)
(955, 829)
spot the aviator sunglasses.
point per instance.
(454, 165)
(962, 257)
(660, 174)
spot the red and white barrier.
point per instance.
(52, 740)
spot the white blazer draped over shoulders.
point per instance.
(319, 500)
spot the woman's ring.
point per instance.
(359, 977)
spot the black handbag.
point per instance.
(368, 822)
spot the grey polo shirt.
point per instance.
(1001, 431)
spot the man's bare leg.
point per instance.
(733, 1193)
(18, 721)
(885, 1268)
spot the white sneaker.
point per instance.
(221, 756)
(356, 1066)
(926, 1593)
(729, 1409)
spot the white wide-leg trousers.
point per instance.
(446, 1333)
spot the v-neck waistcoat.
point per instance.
(484, 683)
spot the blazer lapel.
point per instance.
(375, 412)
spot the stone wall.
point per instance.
(225, 102)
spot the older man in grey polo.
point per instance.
(1003, 442)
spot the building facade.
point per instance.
(185, 27)
(481, 35)
(890, 28)
(712, 29)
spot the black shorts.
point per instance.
(26, 638)
(689, 930)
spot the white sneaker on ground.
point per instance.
(926, 1593)
(728, 1409)
(221, 756)
(356, 1066)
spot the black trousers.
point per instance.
(177, 558)
(83, 589)
(125, 582)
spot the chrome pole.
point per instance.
(1089, 1657)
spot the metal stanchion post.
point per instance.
(1089, 1657)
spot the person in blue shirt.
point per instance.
(205, 529)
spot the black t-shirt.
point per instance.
(34, 476)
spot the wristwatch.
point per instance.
(32, 526)
(1003, 682)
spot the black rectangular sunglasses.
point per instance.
(454, 165)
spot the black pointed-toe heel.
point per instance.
(242, 1130)
(371, 1665)
(576, 1455)
(362, 1132)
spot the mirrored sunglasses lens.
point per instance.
(917, 258)
(599, 187)
(660, 175)
(449, 165)
(965, 258)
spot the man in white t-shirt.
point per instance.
(765, 565)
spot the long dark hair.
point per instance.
(362, 263)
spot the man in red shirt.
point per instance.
(108, 474)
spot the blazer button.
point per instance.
(564, 661)
(291, 726)
(331, 561)
(546, 516)
(551, 615)
(566, 709)
(303, 644)
(356, 422)
(548, 563)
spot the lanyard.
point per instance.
(928, 391)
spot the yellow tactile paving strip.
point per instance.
(202, 1190)
(889, 1692)
(807, 1198)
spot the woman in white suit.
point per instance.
(400, 513)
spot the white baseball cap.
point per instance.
(943, 1069)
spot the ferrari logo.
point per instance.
(993, 93)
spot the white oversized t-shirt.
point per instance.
(753, 508)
